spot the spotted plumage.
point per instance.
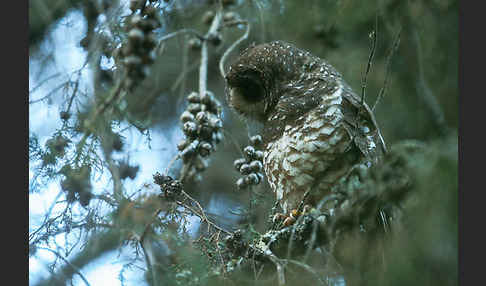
(315, 128)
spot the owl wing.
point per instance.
(361, 125)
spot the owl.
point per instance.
(315, 128)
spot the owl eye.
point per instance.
(251, 89)
(249, 85)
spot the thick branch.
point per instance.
(203, 68)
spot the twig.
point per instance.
(115, 174)
(113, 96)
(48, 214)
(49, 94)
(75, 91)
(106, 199)
(147, 227)
(328, 198)
(278, 265)
(370, 60)
(290, 245)
(76, 270)
(44, 81)
(396, 43)
(428, 97)
(180, 32)
(312, 242)
(147, 249)
(302, 202)
(306, 267)
(201, 215)
(219, 253)
(185, 170)
(172, 161)
(384, 220)
(64, 230)
(232, 47)
(197, 204)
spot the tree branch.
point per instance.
(96, 246)
(393, 49)
(370, 61)
(203, 68)
(428, 97)
(75, 269)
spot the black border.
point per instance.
(15, 87)
(471, 112)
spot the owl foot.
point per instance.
(289, 219)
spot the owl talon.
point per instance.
(289, 221)
(286, 220)
(294, 213)
(278, 217)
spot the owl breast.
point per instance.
(309, 154)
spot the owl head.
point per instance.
(254, 79)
